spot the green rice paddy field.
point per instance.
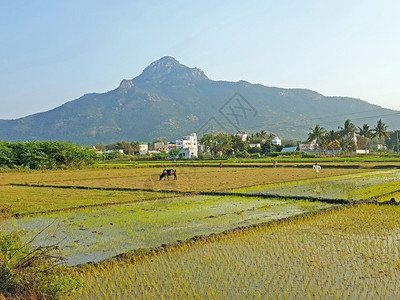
(350, 253)
(363, 186)
(236, 233)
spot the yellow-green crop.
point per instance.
(350, 253)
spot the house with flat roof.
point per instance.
(188, 146)
(276, 141)
(143, 148)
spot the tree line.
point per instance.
(129, 148)
(222, 145)
(343, 138)
(45, 155)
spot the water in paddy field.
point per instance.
(98, 233)
(345, 187)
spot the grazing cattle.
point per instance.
(166, 173)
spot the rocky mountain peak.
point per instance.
(168, 68)
(126, 84)
(167, 63)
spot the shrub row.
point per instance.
(44, 155)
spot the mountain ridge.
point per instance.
(169, 100)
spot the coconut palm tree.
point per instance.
(366, 133)
(348, 130)
(380, 131)
(270, 137)
(331, 140)
(347, 133)
(317, 134)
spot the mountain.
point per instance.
(170, 100)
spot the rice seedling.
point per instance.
(348, 187)
(96, 233)
(18, 200)
(352, 252)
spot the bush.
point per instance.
(242, 154)
(160, 156)
(307, 155)
(44, 155)
(32, 273)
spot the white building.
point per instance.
(257, 145)
(143, 148)
(242, 134)
(179, 144)
(361, 151)
(188, 146)
(111, 151)
(313, 146)
(276, 141)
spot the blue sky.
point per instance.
(55, 51)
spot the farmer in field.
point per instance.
(221, 164)
(317, 168)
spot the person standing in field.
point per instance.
(317, 168)
(275, 163)
(221, 164)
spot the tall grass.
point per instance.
(28, 272)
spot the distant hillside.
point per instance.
(169, 100)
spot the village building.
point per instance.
(289, 149)
(311, 147)
(171, 145)
(111, 151)
(188, 146)
(160, 147)
(143, 148)
(242, 134)
(276, 141)
(257, 145)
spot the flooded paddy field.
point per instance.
(348, 253)
(362, 186)
(94, 234)
(214, 246)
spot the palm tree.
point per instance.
(270, 137)
(317, 134)
(366, 133)
(331, 140)
(380, 131)
(348, 130)
(347, 133)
